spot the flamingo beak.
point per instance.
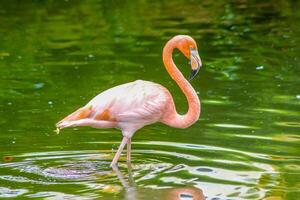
(196, 63)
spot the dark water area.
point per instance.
(57, 55)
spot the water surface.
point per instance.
(56, 55)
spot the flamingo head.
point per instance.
(188, 47)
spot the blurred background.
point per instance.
(57, 55)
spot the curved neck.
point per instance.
(172, 118)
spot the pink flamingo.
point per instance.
(133, 105)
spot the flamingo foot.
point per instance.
(57, 130)
(65, 124)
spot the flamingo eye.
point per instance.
(195, 59)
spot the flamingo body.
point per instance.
(128, 107)
(133, 105)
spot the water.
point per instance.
(56, 55)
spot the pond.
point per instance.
(57, 55)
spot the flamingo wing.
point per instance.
(149, 110)
(140, 102)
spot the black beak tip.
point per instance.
(194, 72)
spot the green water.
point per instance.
(56, 55)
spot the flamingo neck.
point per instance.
(172, 118)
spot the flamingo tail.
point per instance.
(81, 113)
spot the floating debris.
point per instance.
(7, 158)
(4, 54)
(259, 67)
(38, 85)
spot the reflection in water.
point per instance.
(130, 187)
(132, 192)
(188, 193)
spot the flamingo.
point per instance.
(133, 105)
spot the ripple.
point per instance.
(10, 193)
(278, 111)
(77, 171)
(20, 179)
(56, 195)
(233, 126)
(197, 147)
(173, 154)
(230, 191)
(180, 164)
(288, 124)
(216, 102)
(203, 169)
(56, 169)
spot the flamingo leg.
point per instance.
(128, 151)
(117, 155)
